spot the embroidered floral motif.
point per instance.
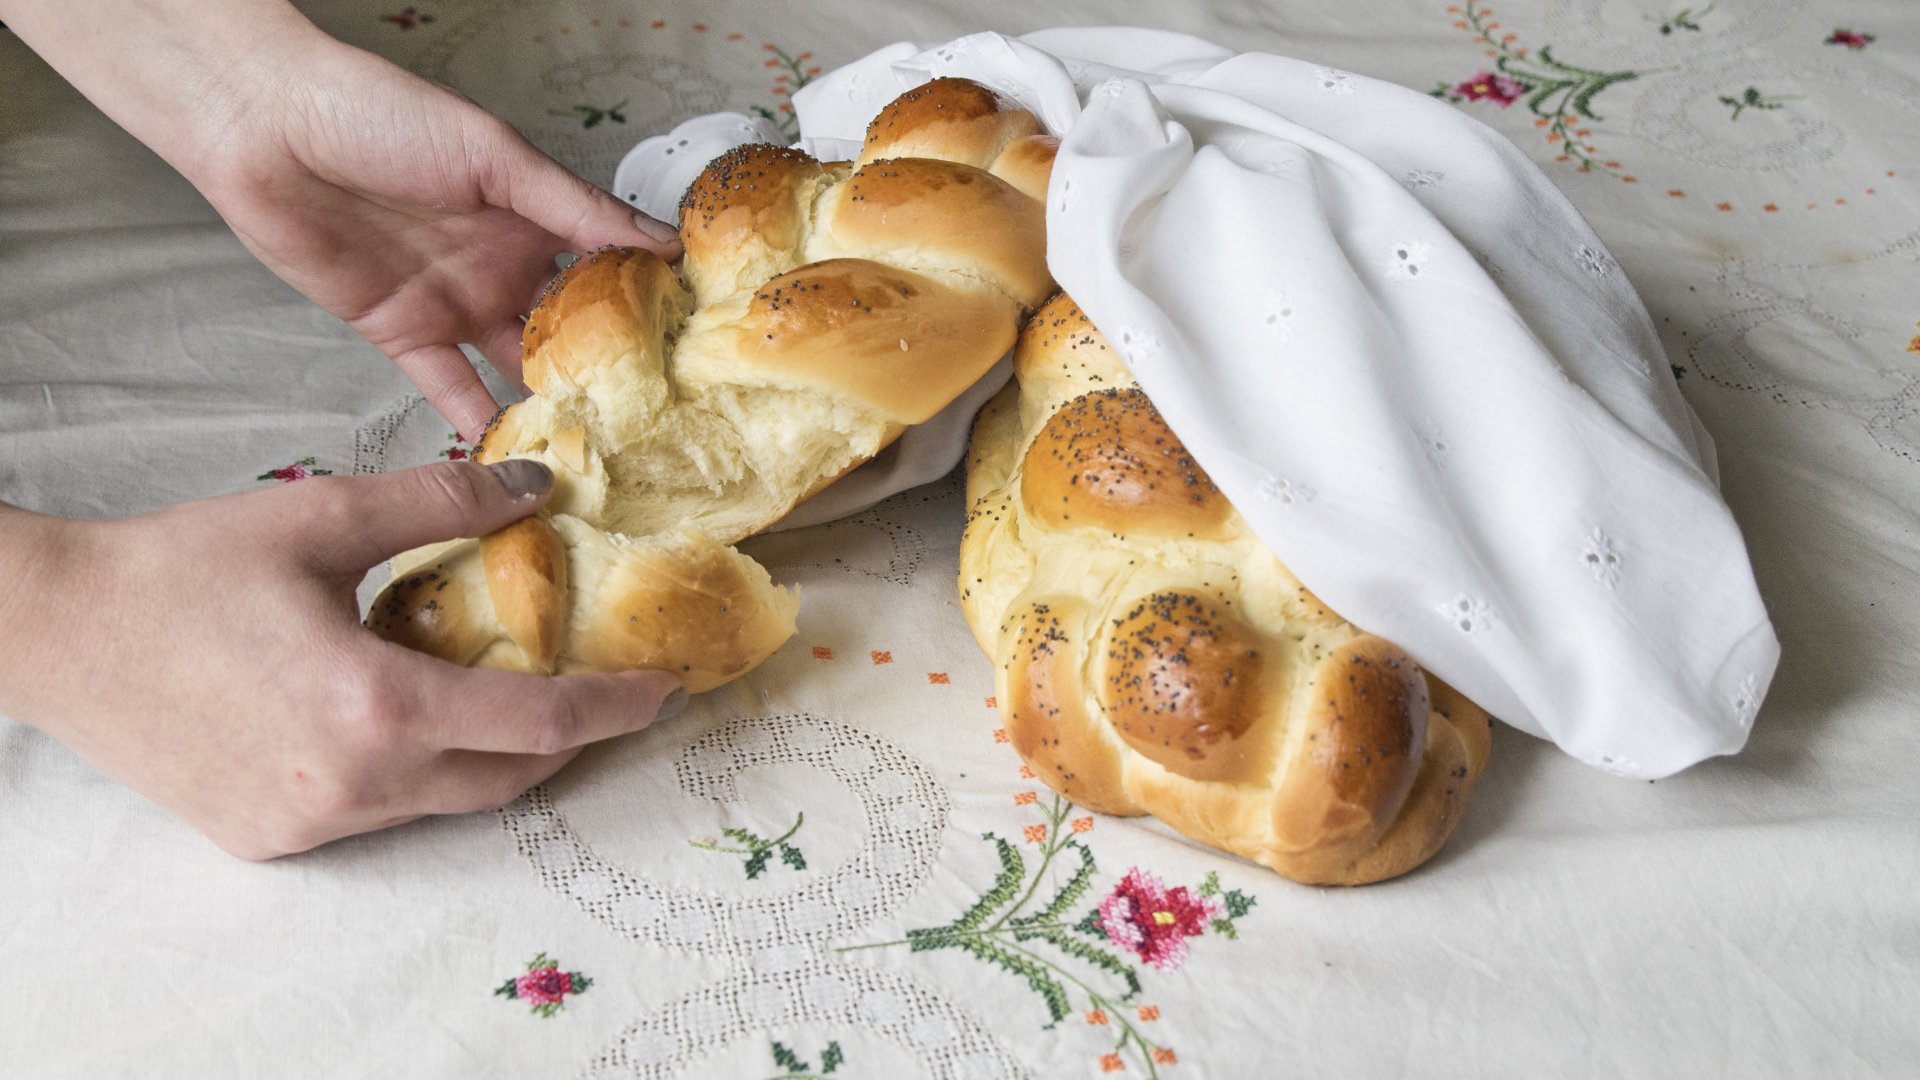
(459, 451)
(1285, 492)
(299, 470)
(758, 852)
(1278, 315)
(1138, 346)
(797, 1068)
(796, 73)
(544, 987)
(1558, 94)
(1618, 764)
(1419, 178)
(1752, 98)
(1746, 701)
(407, 19)
(1433, 439)
(1334, 81)
(1009, 928)
(1852, 40)
(1488, 86)
(1408, 260)
(592, 115)
(1594, 261)
(1685, 20)
(1467, 614)
(1600, 558)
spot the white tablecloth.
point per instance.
(1749, 166)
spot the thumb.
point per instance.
(544, 192)
(373, 518)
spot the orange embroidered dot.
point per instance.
(1771, 208)
(1629, 179)
(1097, 1017)
(1839, 202)
(938, 678)
(879, 657)
(626, 22)
(1723, 207)
(736, 37)
(1035, 833)
(699, 28)
(1025, 798)
(993, 703)
(1027, 773)
(822, 652)
(1083, 825)
(1149, 1012)
(1163, 1055)
(659, 24)
(1676, 193)
(1111, 1063)
(999, 734)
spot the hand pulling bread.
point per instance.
(820, 309)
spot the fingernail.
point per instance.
(672, 705)
(659, 230)
(523, 478)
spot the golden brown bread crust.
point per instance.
(1154, 656)
(820, 309)
(949, 119)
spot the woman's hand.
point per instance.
(419, 218)
(210, 656)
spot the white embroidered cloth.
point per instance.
(1397, 349)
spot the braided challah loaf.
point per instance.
(819, 311)
(1154, 657)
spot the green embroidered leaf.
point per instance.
(1225, 928)
(1090, 924)
(792, 857)
(580, 982)
(508, 989)
(539, 961)
(1211, 886)
(1238, 903)
(743, 836)
(830, 1060)
(756, 863)
(1012, 870)
(1069, 894)
(1098, 957)
(1036, 976)
(788, 1060)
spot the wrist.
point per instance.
(39, 551)
(182, 76)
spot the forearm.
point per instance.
(176, 74)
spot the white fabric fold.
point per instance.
(1398, 350)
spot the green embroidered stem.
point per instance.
(785, 120)
(1683, 21)
(591, 116)
(1055, 815)
(1569, 88)
(757, 850)
(1754, 99)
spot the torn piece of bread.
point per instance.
(820, 310)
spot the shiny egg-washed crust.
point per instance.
(1155, 658)
(820, 310)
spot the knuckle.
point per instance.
(455, 485)
(556, 727)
